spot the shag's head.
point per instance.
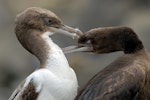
(33, 23)
(109, 39)
(42, 20)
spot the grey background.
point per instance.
(16, 63)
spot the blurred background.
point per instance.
(16, 63)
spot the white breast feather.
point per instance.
(57, 81)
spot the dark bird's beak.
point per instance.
(75, 34)
(84, 45)
(75, 49)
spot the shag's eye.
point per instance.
(48, 21)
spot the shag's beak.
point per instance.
(74, 33)
(79, 48)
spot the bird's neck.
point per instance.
(127, 42)
(55, 57)
(56, 61)
(41, 45)
(132, 45)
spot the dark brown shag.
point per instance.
(128, 77)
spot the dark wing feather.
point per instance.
(111, 84)
(27, 93)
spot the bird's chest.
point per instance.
(56, 88)
(59, 91)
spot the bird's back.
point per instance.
(121, 80)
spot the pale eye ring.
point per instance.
(48, 21)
